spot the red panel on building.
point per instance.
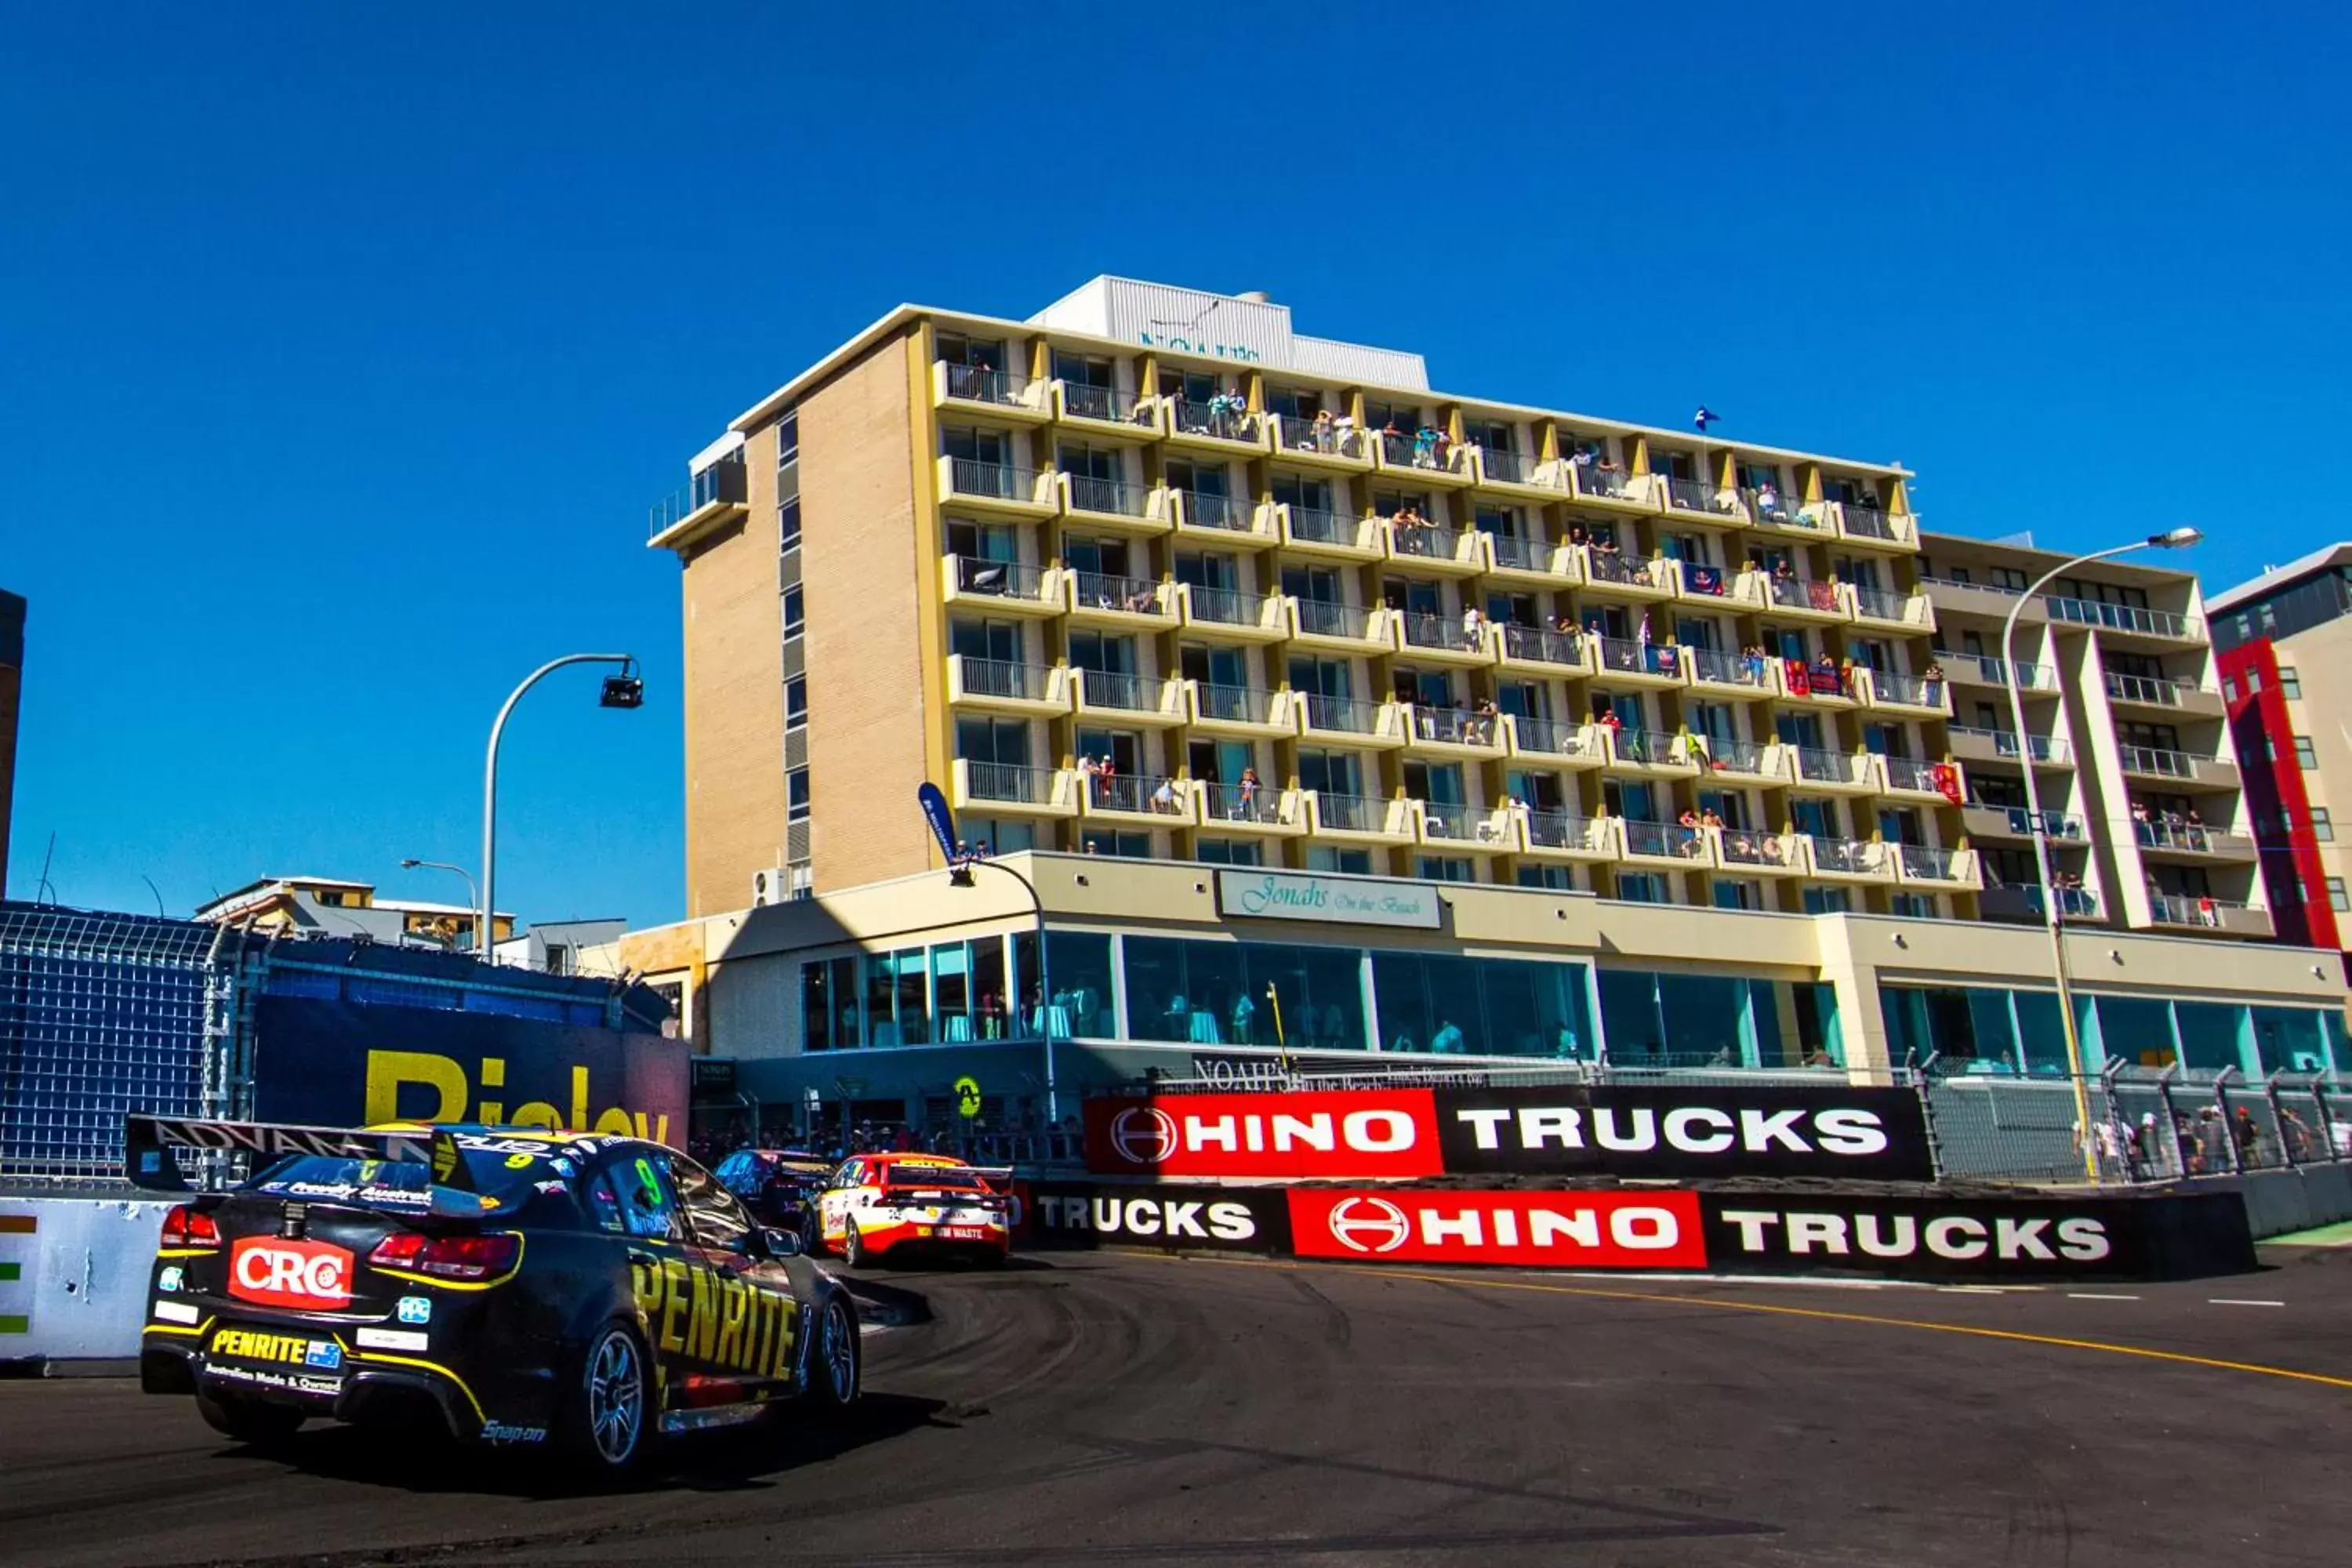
(2275, 802)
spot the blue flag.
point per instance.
(943, 821)
(1704, 418)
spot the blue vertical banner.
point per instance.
(943, 821)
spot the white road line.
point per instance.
(2096, 1296)
(2230, 1301)
(1970, 1291)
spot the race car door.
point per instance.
(630, 1191)
(744, 1351)
(842, 1198)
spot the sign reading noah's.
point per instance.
(1351, 901)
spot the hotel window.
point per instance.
(2336, 897)
(796, 795)
(1459, 1007)
(796, 703)
(2009, 577)
(788, 525)
(795, 613)
(1643, 888)
(2253, 682)
(829, 1014)
(1443, 869)
(2290, 683)
(1339, 862)
(2230, 688)
(1827, 900)
(1730, 893)
(1230, 852)
(2305, 757)
(1917, 906)
(1557, 878)
(788, 439)
(2323, 825)
(1214, 993)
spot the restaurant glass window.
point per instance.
(2213, 1036)
(1081, 974)
(1216, 993)
(1454, 1006)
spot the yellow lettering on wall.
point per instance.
(494, 1072)
(539, 1113)
(673, 1303)
(579, 1123)
(615, 1121)
(490, 1113)
(660, 1133)
(702, 1330)
(388, 1070)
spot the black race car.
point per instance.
(587, 1292)
(780, 1186)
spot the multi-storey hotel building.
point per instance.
(1151, 576)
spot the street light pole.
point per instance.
(623, 690)
(2051, 917)
(1045, 979)
(473, 888)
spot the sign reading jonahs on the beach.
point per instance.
(1286, 896)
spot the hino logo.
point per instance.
(1369, 1225)
(1143, 1135)
(1689, 1128)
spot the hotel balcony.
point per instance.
(1547, 743)
(2170, 699)
(1794, 598)
(1664, 846)
(1434, 551)
(1797, 684)
(1607, 488)
(997, 686)
(1614, 575)
(1260, 812)
(1939, 871)
(1431, 638)
(1114, 506)
(1970, 744)
(992, 394)
(1622, 664)
(1699, 501)
(1532, 651)
(1230, 521)
(1001, 789)
(1399, 456)
(1651, 754)
(1863, 527)
(1984, 671)
(1126, 603)
(2009, 901)
(2177, 911)
(2015, 823)
(1849, 860)
(1360, 819)
(1215, 426)
(1229, 615)
(1239, 712)
(1003, 587)
(1764, 764)
(1331, 535)
(1562, 836)
(2122, 626)
(1100, 412)
(1909, 778)
(714, 498)
(1133, 800)
(1447, 829)
(1732, 675)
(2179, 770)
(1319, 626)
(1714, 587)
(1753, 854)
(1349, 721)
(1515, 474)
(1327, 446)
(1906, 696)
(1128, 699)
(2162, 841)
(1987, 599)
(1532, 563)
(1451, 734)
(1877, 608)
(1821, 772)
(1772, 512)
(999, 489)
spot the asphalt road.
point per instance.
(1119, 1408)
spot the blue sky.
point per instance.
(346, 346)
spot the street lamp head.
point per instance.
(411, 864)
(2175, 537)
(623, 691)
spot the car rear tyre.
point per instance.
(248, 1420)
(812, 1236)
(837, 1365)
(853, 1244)
(607, 1410)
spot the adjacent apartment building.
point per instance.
(2286, 643)
(1151, 576)
(12, 684)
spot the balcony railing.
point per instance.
(1428, 629)
(722, 482)
(1326, 437)
(1741, 847)
(1133, 792)
(1615, 566)
(2074, 903)
(1520, 554)
(2123, 617)
(1456, 726)
(1127, 693)
(994, 481)
(1441, 455)
(2045, 748)
(1428, 540)
(1457, 822)
(1234, 704)
(2157, 761)
(1341, 715)
(1233, 513)
(2185, 910)
(1845, 856)
(1626, 655)
(1538, 646)
(2151, 690)
(2181, 836)
(1816, 766)
(1994, 671)
(1596, 480)
(2054, 823)
(1005, 579)
(1911, 773)
(1663, 838)
(1565, 830)
(1917, 691)
(1227, 419)
(1226, 606)
(1312, 525)
(1773, 507)
(1352, 813)
(970, 383)
(1792, 593)
(1699, 495)
(1085, 400)
(1881, 604)
(1869, 522)
(1649, 748)
(1726, 668)
(1009, 782)
(1323, 619)
(1003, 678)
(1244, 802)
(1552, 738)
(1110, 497)
(1722, 756)
(1102, 591)
(1924, 863)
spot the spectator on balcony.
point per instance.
(1847, 686)
(2139, 819)
(1247, 792)
(1710, 818)
(1142, 597)
(1932, 683)
(1768, 501)
(1324, 435)
(1091, 771)
(1824, 674)
(1424, 446)
(2195, 829)
(1225, 417)
(1473, 625)
(1576, 529)
(1485, 721)
(1163, 799)
(1390, 436)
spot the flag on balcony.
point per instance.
(1948, 782)
(1800, 680)
(1705, 579)
(1704, 418)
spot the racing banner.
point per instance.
(1527, 1229)
(1186, 1219)
(1656, 1130)
(2029, 1236)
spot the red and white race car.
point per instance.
(901, 1204)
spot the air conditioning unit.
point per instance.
(768, 888)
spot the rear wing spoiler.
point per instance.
(150, 1143)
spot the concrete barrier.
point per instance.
(73, 1277)
(2281, 1202)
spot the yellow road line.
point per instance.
(1549, 1289)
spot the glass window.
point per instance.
(1454, 1006)
(1827, 900)
(788, 525)
(1643, 888)
(1629, 1018)
(2323, 825)
(2290, 683)
(2290, 1039)
(794, 611)
(1080, 962)
(2135, 1030)
(796, 703)
(2042, 1031)
(796, 795)
(2305, 757)
(788, 437)
(2212, 1034)
(2337, 899)
(1247, 994)
(817, 1006)
(1706, 1020)
(649, 1204)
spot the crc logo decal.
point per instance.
(1369, 1225)
(1143, 1135)
(275, 1272)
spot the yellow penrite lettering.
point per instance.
(788, 1317)
(702, 1330)
(673, 1303)
(731, 1306)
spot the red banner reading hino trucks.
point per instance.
(1671, 1130)
(1544, 1230)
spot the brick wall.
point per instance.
(734, 701)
